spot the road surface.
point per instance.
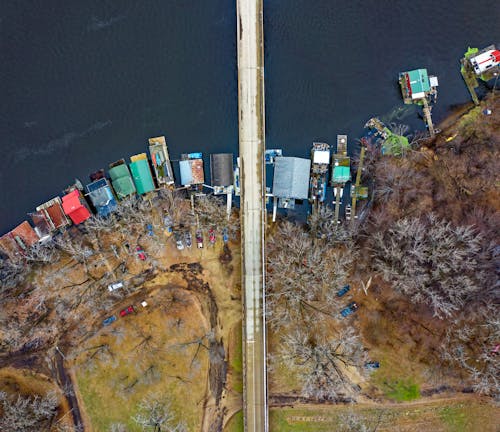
(251, 136)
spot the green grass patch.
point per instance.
(235, 424)
(293, 420)
(402, 390)
(455, 418)
(236, 359)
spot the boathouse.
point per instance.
(221, 172)
(121, 179)
(291, 177)
(53, 214)
(161, 161)
(75, 207)
(16, 243)
(101, 196)
(141, 173)
(191, 168)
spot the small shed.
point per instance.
(141, 173)
(121, 179)
(291, 177)
(74, 206)
(101, 196)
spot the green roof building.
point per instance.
(121, 179)
(415, 84)
(341, 174)
(141, 173)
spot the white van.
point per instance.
(115, 286)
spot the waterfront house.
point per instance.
(161, 161)
(221, 173)
(121, 179)
(141, 173)
(16, 243)
(290, 182)
(101, 196)
(53, 213)
(75, 207)
(191, 168)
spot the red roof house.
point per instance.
(74, 207)
(16, 242)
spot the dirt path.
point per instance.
(66, 383)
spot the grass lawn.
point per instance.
(236, 359)
(470, 413)
(153, 352)
(235, 424)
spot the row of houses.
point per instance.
(102, 194)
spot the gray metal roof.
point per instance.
(291, 177)
(221, 169)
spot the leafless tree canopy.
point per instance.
(321, 360)
(303, 275)
(25, 413)
(430, 261)
(470, 345)
(155, 414)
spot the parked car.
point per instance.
(199, 239)
(496, 350)
(140, 253)
(188, 239)
(127, 311)
(343, 291)
(349, 309)
(211, 235)
(372, 365)
(225, 235)
(115, 286)
(109, 320)
(167, 221)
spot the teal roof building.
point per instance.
(141, 173)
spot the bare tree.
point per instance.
(430, 261)
(321, 360)
(42, 253)
(471, 346)
(355, 422)
(155, 414)
(26, 413)
(212, 213)
(12, 274)
(303, 275)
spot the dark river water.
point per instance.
(84, 83)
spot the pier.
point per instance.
(250, 44)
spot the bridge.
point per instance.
(250, 43)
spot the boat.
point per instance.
(161, 160)
(271, 154)
(320, 158)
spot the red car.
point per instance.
(127, 311)
(211, 235)
(140, 253)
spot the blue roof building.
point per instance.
(102, 197)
